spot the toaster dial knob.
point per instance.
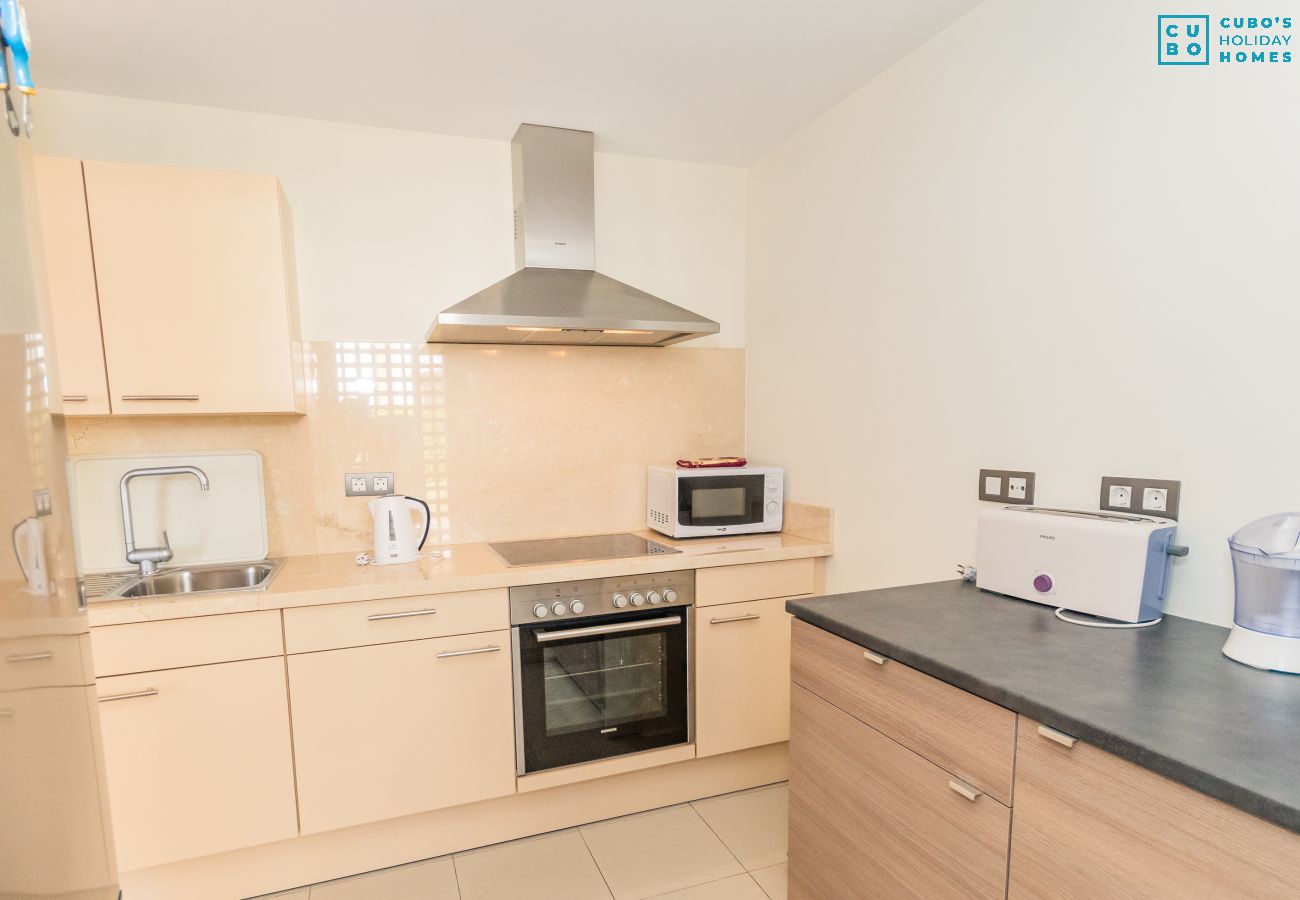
(655, 598)
(637, 599)
(670, 596)
(620, 600)
(540, 610)
(1043, 583)
(576, 606)
(559, 608)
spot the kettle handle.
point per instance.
(428, 520)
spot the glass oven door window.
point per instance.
(604, 683)
(596, 696)
(720, 500)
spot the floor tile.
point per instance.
(431, 880)
(549, 867)
(773, 880)
(656, 852)
(753, 824)
(737, 887)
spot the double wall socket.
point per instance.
(1141, 496)
(369, 484)
(1007, 486)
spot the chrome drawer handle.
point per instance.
(875, 657)
(961, 787)
(75, 398)
(186, 397)
(1059, 737)
(6, 713)
(450, 653)
(147, 692)
(30, 657)
(747, 617)
(401, 615)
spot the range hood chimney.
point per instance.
(556, 296)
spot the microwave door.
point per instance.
(719, 500)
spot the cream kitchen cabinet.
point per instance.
(193, 275)
(742, 675)
(70, 281)
(393, 729)
(199, 760)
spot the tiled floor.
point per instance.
(724, 848)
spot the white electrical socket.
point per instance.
(1016, 488)
(380, 485)
(358, 483)
(1154, 499)
(993, 485)
(1121, 496)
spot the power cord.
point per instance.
(1065, 617)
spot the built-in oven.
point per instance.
(602, 668)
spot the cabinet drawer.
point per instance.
(753, 581)
(1089, 824)
(870, 818)
(341, 625)
(968, 736)
(58, 660)
(176, 643)
(742, 676)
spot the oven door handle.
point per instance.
(614, 628)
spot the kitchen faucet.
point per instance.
(148, 558)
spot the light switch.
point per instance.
(993, 485)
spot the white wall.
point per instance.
(1027, 246)
(393, 226)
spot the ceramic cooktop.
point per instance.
(550, 551)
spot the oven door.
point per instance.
(714, 501)
(605, 686)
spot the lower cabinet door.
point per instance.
(870, 818)
(198, 760)
(742, 676)
(1089, 824)
(395, 729)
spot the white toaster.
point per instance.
(1104, 564)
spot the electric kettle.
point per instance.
(29, 547)
(397, 538)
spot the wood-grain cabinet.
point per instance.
(171, 290)
(902, 786)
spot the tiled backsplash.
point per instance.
(502, 442)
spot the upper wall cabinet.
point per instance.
(70, 275)
(195, 288)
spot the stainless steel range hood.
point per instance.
(556, 296)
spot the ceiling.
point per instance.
(718, 81)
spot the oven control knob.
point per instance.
(670, 596)
(540, 610)
(559, 608)
(655, 598)
(576, 606)
(620, 601)
(637, 599)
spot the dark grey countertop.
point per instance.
(1163, 697)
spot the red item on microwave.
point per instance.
(713, 462)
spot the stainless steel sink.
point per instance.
(201, 579)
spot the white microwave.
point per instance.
(684, 503)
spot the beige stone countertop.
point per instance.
(336, 578)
